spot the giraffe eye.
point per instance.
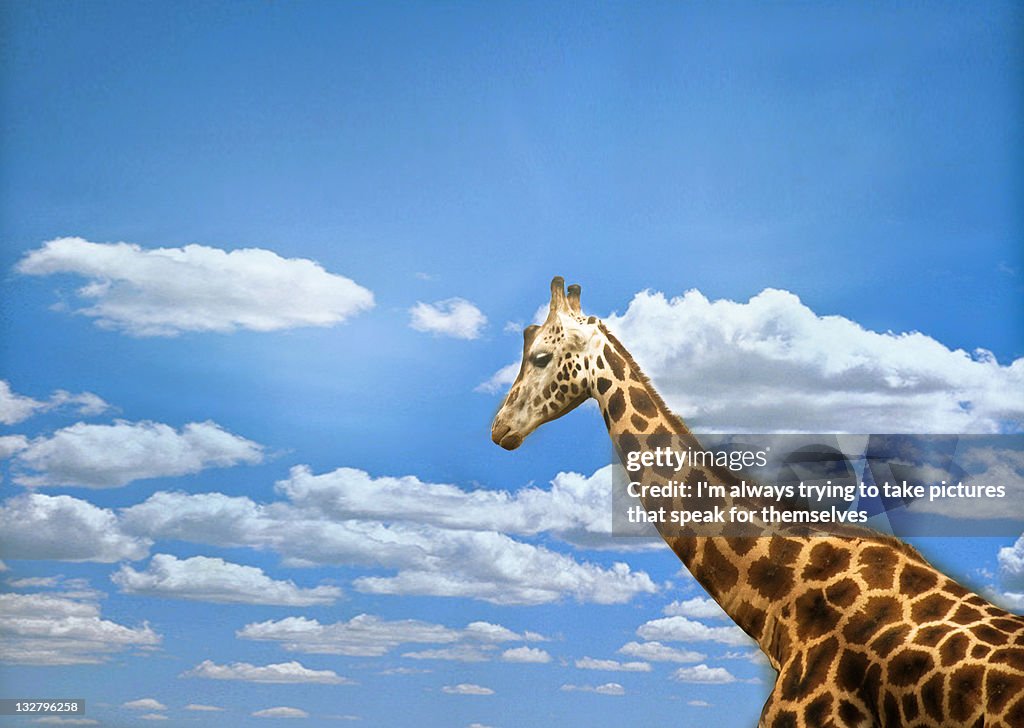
(541, 360)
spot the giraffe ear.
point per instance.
(529, 333)
(574, 299)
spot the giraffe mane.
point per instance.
(655, 395)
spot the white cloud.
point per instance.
(1010, 600)
(76, 588)
(590, 663)
(467, 689)
(205, 579)
(11, 445)
(367, 635)
(657, 652)
(406, 671)
(34, 582)
(455, 317)
(203, 708)
(209, 518)
(110, 456)
(459, 653)
(430, 560)
(281, 712)
(606, 689)
(704, 674)
(86, 404)
(984, 466)
(1011, 565)
(498, 569)
(681, 629)
(37, 526)
(144, 704)
(153, 716)
(500, 380)
(280, 673)
(526, 654)
(773, 365)
(167, 291)
(39, 629)
(576, 508)
(697, 608)
(15, 408)
(699, 703)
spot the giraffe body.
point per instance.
(862, 630)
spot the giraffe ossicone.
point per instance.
(862, 630)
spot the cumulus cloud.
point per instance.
(773, 365)
(704, 674)
(203, 708)
(168, 291)
(1011, 565)
(76, 588)
(366, 635)
(697, 608)
(455, 317)
(606, 689)
(110, 456)
(429, 560)
(37, 526)
(38, 629)
(524, 574)
(15, 408)
(681, 629)
(281, 712)
(526, 654)
(144, 704)
(11, 445)
(459, 653)
(206, 579)
(576, 508)
(1009, 600)
(657, 652)
(590, 663)
(500, 380)
(981, 465)
(467, 689)
(280, 673)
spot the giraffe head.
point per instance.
(555, 372)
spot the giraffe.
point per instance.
(861, 629)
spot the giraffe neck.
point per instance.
(632, 409)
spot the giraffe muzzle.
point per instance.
(502, 436)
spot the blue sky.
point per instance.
(765, 202)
